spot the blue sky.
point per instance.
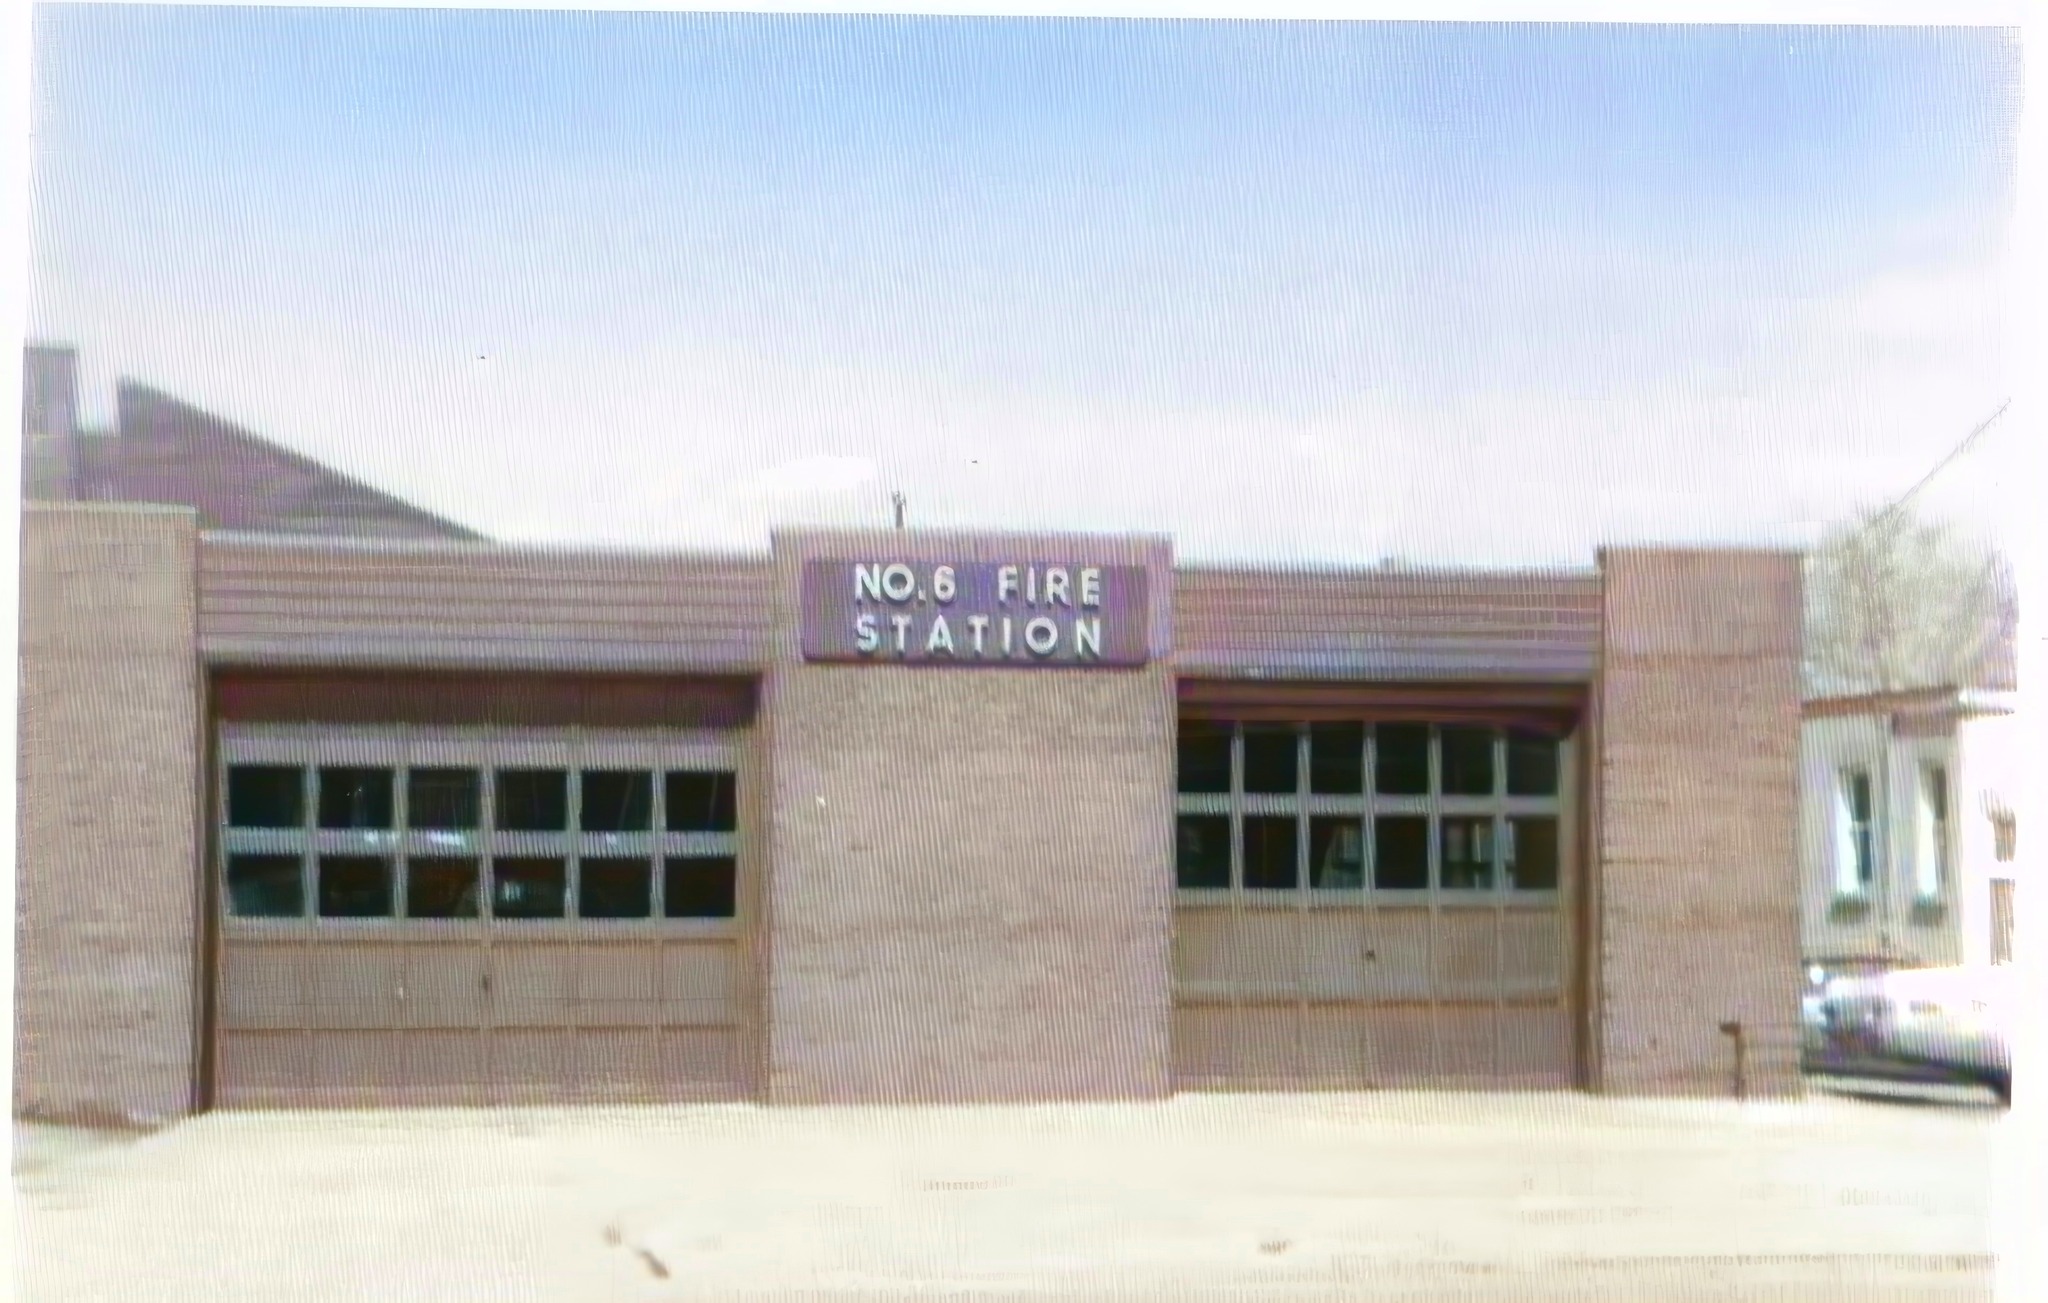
(1471, 293)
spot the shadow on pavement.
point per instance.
(40, 1147)
(1907, 1095)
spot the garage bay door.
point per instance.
(455, 917)
(1372, 904)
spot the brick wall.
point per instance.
(106, 916)
(970, 890)
(1697, 815)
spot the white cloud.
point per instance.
(806, 479)
(824, 490)
(676, 444)
(1955, 306)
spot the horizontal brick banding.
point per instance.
(275, 602)
(1386, 625)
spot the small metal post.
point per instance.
(1733, 1031)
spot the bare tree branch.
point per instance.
(1896, 602)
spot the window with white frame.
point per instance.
(477, 838)
(2001, 920)
(1392, 809)
(1931, 861)
(1855, 834)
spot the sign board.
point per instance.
(1023, 613)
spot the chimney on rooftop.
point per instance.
(49, 423)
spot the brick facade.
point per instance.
(958, 881)
(1697, 914)
(107, 908)
(972, 868)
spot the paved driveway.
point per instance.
(1354, 1197)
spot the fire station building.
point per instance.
(888, 817)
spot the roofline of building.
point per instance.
(110, 508)
(346, 545)
(125, 385)
(1990, 701)
(1966, 701)
(1385, 570)
(1696, 547)
(371, 545)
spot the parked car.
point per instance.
(1945, 1026)
(1813, 1029)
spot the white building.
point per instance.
(1908, 843)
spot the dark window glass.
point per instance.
(617, 801)
(449, 799)
(1532, 853)
(1272, 759)
(358, 799)
(441, 888)
(1866, 857)
(1400, 852)
(1863, 843)
(702, 802)
(700, 886)
(1401, 759)
(529, 888)
(1465, 852)
(265, 886)
(1859, 796)
(1532, 764)
(1468, 760)
(1202, 852)
(266, 796)
(355, 886)
(1204, 757)
(1269, 863)
(1336, 854)
(615, 888)
(533, 800)
(1336, 759)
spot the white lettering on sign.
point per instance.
(1062, 615)
(867, 583)
(1042, 636)
(898, 583)
(1088, 637)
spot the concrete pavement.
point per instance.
(1354, 1197)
